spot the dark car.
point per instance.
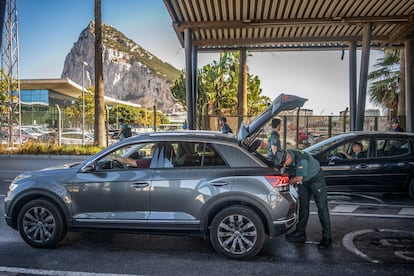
(385, 163)
(186, 182)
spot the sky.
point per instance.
(49, 28)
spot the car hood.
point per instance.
(282, 103)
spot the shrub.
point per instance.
(40, 148)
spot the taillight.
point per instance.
(278, 181)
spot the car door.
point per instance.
(344, 172)
(393, 163)
(112, 194)
(181, 186)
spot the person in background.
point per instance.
(305, 171)
(224, 126)
(121, 131)
(274, 140)
(395, 124)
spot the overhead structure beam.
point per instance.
(284, 43)
(298, 22)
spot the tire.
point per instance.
(237, 232)
(411, 189)
(41, 224)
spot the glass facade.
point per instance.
(39, 107)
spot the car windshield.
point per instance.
(321, 146)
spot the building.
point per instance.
(41, 99)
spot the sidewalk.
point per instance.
(43, 156)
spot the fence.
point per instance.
(302, 131)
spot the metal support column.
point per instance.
(188, 44)
(2, 16)
(352, 85)
(409, 84)
(195, 85)
(242, 86)
(363, 77)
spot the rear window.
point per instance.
(392, 147)
(237, 158)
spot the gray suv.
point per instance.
(190, 182)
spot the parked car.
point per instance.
(200, 183)
(75, 138)
(387, 164)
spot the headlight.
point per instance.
(12, 187)
(21, 176)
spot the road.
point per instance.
(372, 235)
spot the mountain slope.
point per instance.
(131, 73)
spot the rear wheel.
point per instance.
(41, 224)
(237, 232)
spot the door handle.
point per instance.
(219, 183)
(362, 166)
(139, 185)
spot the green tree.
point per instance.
(384, 81)
(217, 89)
(73, 113)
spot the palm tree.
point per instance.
(385, 81)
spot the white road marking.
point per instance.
(367, 215)
(348, 243)
(344, 208)
(407, 211)
(405, 255)
(31, 271)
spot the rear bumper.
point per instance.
(282, 226)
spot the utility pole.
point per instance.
(10, 69)
(99, 135)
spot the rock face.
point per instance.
(130, 72)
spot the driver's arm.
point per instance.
(127, 161)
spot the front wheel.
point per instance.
(41, 224)
(237, 232)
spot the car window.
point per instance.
(352, 149)
(193, 154)
(135, 156)
(392, 147)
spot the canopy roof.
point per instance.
(291, 24)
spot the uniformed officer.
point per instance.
(274, 140)
(305, 170)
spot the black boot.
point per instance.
(325, 243)
(296, 237)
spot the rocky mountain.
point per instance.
(131, 73)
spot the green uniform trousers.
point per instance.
(316, 187)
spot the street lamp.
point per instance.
(83, 101)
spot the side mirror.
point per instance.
(89, 167)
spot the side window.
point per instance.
(165, 155)
(211, 157)
(355, 149)
(191, 154)
(136, 156)
(392, 147)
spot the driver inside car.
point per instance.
(357, 150)
(136, 163)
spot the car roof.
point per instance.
(184, 135)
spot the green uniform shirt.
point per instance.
(274, 139)
(303, 164)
